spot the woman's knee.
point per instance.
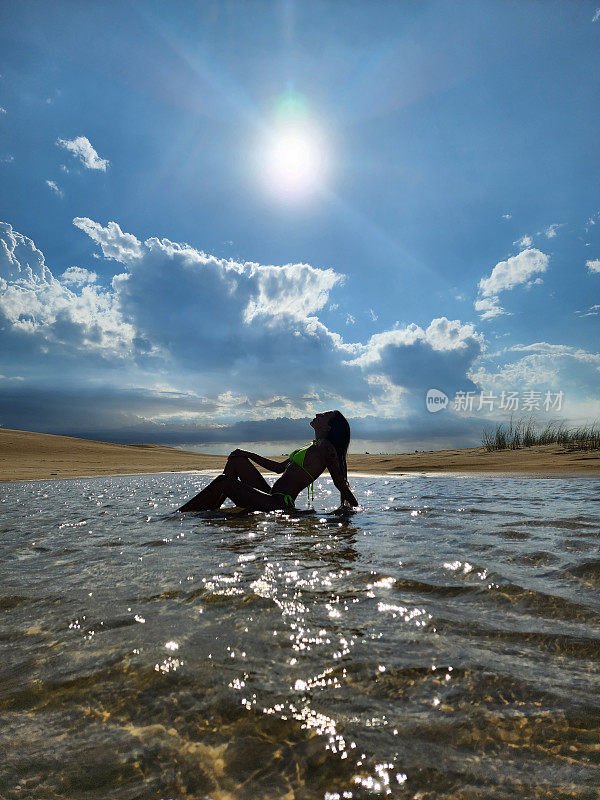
(237, 453)
(234, 458)
(234, 463)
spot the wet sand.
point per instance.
(25, 455)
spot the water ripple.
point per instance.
(440, 643)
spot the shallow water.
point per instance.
(442, 642)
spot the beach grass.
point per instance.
(526, 433)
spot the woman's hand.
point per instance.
(347, 496)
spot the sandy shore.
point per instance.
(36, 456)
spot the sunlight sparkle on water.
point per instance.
(358, 641)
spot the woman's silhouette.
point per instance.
(244, 484)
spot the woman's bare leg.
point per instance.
(242, 494)
(211, 497)
(242, 468)
(214, 495)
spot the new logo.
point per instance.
(435, 400)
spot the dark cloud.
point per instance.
(418, 367)
(123, 416)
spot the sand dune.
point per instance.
(34, 456)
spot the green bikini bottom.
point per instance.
(287, 499)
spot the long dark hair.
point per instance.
(339, 436)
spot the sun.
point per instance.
(294, 161)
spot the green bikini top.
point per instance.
(298, 456)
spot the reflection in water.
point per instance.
(440, 643)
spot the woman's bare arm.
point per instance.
(267, 463)
(333, 465)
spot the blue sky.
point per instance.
(219, 218)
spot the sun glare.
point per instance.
(294, 161)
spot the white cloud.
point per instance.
(446, 334)
(489, 307)
(2, 110)
(596, 16)
(401, 364)
(551, 230)
(515, 271)
(81, 148)
(441, 335)
(77, 276)
(293, 290)
(114, 243)
(390, 397)
(237, 318)
(216, 317)
(558, 350)
(34, 302)
(57, 190)
(527, 372)
(593, 265)
(397, 337)
(524, 241)
(211, 327)
(374, 317)
(506, 216)
(542, 366)
(7, 159)
(592, 221)
(306, 289)
(222, 341)
(592, 311)
(350, 319)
